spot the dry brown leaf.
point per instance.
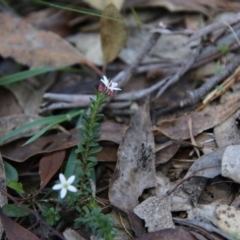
(10, 105)
(165, 154)
(208, 118)
(109, 132)
(135, 170)
(35, 48)
(101, 4)
(29, 92)
(49, 165)
(113, 33)
(15, 231)
(9, 123)
(167, 234)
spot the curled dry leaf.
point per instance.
(113, 33)
(135, 170)
(35, 48)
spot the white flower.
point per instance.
(65, 185)
(109, 84)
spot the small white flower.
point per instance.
(112, 86)
(65, 185)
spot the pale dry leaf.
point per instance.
(35, 48)
(207, 142)
(156, 214)
(231, 163)
(89, 44)
(3, 197)
(113, 33)
(227, 218)
(208, 118)
(227, 132)
(208, 165)
(101, 4)
(135, 170)
(9, 123)
(203, 213)
(71, 234)
(156, 210)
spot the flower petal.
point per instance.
(116, 89)
(63, 192)
(57, 186)
(62, 178)
(105, 81)
(72, 188)
(71, 179)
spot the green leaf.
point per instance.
(11, 172)
(16, 186)
(95, 150)
(13, 210)
(39, 134)
(23, 75)
(93, 144)
(92, 159)
(54, 120)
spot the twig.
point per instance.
(179, 73)
(124, 76)
(196, 95)
(212, 27)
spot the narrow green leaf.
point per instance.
(39, 134)
(23, 75)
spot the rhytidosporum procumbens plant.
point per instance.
(90, 213)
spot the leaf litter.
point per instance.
(169, 162)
